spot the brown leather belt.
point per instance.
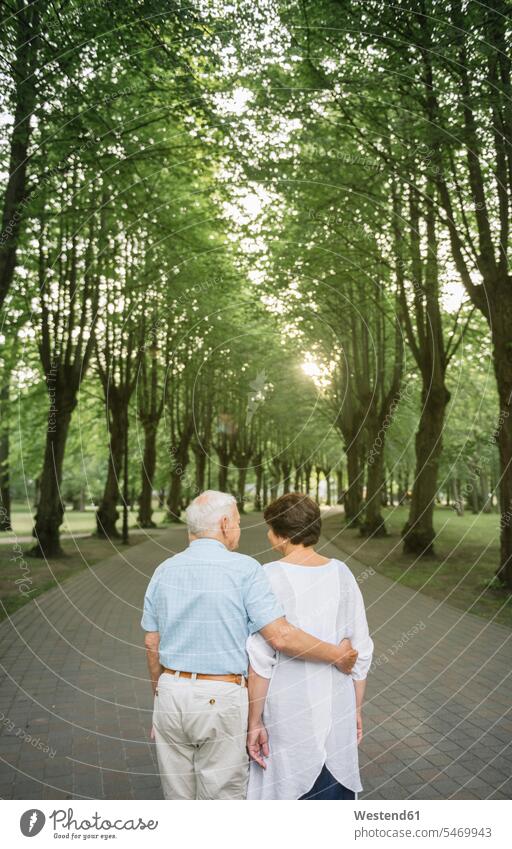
(230, 679)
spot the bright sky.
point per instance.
(452, 296)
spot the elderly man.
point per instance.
(200, 607)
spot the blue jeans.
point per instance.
(326, 787)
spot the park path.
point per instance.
(437, 720)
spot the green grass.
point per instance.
(461, 573)
(18, 571)
(75, 522)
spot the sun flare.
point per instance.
(311, 368)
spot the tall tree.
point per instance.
(119, 348)
(67, 303)
(150, 408)
(450, 66)
(26, 23)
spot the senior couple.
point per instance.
(260, 665)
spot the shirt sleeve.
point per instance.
(261, 605)
(359, 635)
(149, 621)
(262, 656)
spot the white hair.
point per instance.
(205, 513)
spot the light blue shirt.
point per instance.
(204, 602)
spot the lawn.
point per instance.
(75, 522)
(461, 573)
(23, 578)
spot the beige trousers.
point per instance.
(200, 734)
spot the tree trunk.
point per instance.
(265, 490)
(241, 479)
(79, 502)
(473, 493)
(339, 486)
(174, 498)
(223, 472)
(484, 491)
(494, 487)
(418, 532)
(258, 504)
(37, 491)
(307, 477)
(353, 494)
(391, 495)
(233, 484)
(107, 513)
(318, 472)
(287, 470)
(458, 503)
(180, 463)
(50, 508)
(327, 475)
(384, 495)
(501, 325)
(373, 523)
(402, 487)
(148, 473)
(201, 458)
(275, 480)
(5, 490)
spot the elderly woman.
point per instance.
(305, 717)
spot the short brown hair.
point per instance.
(296, 517)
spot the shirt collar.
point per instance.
(207, 541)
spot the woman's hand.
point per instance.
(152, 733)
(347, 658)
(359, 726)
(257, 744)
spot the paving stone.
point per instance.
(437, 726)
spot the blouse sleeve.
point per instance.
(262, 656)
(360, 635)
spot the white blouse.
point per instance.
(310, 710)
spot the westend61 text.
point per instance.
(386, 815)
